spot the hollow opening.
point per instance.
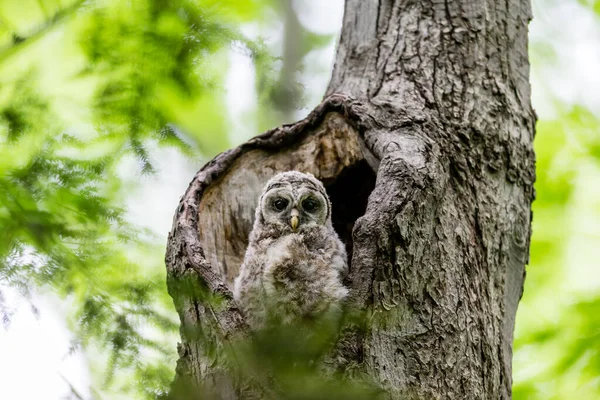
(331, 152)
(349, 194)
(227, 214)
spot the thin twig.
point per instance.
(58, 18)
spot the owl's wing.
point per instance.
(250, 273)
(338, 254)
(248, 287)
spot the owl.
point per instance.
(295, 262)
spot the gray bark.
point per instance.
(434, 136)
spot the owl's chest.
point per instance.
(293, 269)
(293, 257)
(294, 246)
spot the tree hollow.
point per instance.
(331, 151)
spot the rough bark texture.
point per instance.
(436, 127)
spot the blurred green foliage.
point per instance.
(557, 338)
(289, 362)
(594, 5)
(557, 335)
(84, 87)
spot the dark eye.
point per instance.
(280, 204)
(309, 204)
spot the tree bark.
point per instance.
(428, 159)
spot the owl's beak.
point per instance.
(294, 223)
(294, 220)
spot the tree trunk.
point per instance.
(428, 159)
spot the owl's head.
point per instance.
(294, 201)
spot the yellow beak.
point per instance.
(294, 222)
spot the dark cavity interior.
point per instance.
(349, 194)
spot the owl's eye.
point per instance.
(280, 204)
(309, 204)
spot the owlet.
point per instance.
(295, 262)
